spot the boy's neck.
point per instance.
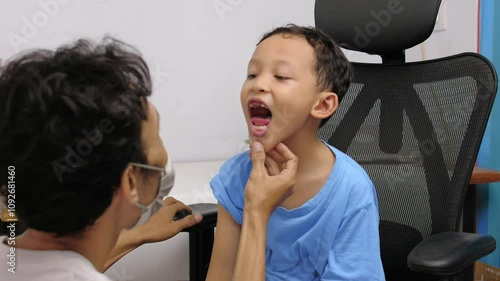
(310, 150)
(316, 161)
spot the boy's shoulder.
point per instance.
(347, 162)
(239, 163)
(350, 172)
(354, 180)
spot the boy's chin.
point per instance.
(268, 143)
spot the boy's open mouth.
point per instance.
(260, 117)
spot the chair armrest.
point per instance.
(449, 253)
(201, 240)
(209, 213)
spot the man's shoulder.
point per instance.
(46, 265)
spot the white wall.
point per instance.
(197, 51)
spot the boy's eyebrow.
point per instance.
(278, 62)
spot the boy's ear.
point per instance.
(128, 185)
(326, 105)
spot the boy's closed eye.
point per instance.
(277, 76)
(281, 77)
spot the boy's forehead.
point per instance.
(282, 48)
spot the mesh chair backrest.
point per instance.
(377, 26)
(416, 129)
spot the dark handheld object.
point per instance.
(180, 215)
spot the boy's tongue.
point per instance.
(259, 121)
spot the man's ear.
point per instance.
(128, 184)
(325, 106)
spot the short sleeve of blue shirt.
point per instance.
(333, 236)
(229, 184)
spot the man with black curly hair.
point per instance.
(77, 127)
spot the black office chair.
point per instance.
(416, 129)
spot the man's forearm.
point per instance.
(251, 258)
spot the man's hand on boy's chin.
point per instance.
(275, 163)
(272, 178)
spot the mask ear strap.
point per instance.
(143, 208)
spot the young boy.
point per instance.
(327, 229)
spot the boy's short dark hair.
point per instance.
(333, 70)
(70, 122)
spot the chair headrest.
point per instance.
(377, 26)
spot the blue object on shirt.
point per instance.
(333, 236)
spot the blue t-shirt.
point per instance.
(333, 236)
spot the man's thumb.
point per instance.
(258, 153)
(190, 220)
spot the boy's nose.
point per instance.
(260, 84)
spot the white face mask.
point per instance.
(166, 184)
(167, 181)
(152, 168)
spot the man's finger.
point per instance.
(291, 160)
(272, 167)
(169, 201)
(276, 156)
(189, 221)
(178, 205)
(285, 152)
(258, 156)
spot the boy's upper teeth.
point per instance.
(255, 105)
